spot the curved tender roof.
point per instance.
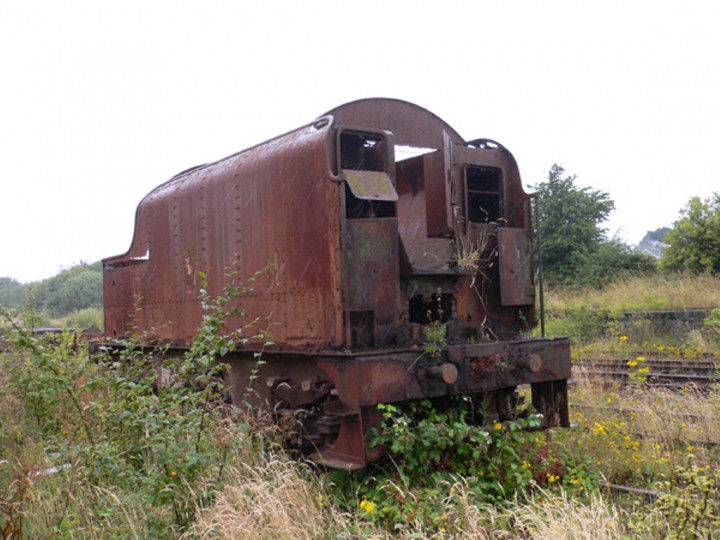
(410, 124)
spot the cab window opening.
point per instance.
(484, 194)
(362, 151)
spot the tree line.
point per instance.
(577, 252)
(72, 290)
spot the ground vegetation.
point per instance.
(94, 449)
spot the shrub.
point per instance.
(86, 318)
(690, 502)
(712, 324)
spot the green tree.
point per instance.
(82, 290)
(575, 248)
(75, 288)
(610, 260)
(12, 293)
(570, 218)
(694, 241)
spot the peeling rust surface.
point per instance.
(481, 366)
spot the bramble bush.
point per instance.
(430, 450)
(159, 449)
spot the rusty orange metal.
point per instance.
(361, 228)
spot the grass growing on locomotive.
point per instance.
(377, 227)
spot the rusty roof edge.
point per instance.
(321, 122)
(318, 123)
(391, 102)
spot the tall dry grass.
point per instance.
(544, 515)
(270, 498)
(644, 431)
(641, 293)
(691, 414)
(557, 516)
(664, 440)
(276, 502)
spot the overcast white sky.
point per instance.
(102, 101)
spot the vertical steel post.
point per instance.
(536, 198)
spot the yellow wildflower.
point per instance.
(368, 506)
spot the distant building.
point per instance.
(652, 247)
(652, 243)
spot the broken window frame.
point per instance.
(475, 193)
(370, 191)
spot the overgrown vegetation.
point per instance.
(597, 317)
(141, 436)
(96, 448)
(640, 293)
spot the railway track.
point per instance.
(630, 412)
(648, 494)
(653, 371)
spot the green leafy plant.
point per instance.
(429, 440)
(435, 342)
(48, 374)
(435, 332)
(691, 502)
(163, 409)
(430, 446)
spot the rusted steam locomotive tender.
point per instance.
(373, 222)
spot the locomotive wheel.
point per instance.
(298, 411)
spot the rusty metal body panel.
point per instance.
(362, 228)
(258, 210)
